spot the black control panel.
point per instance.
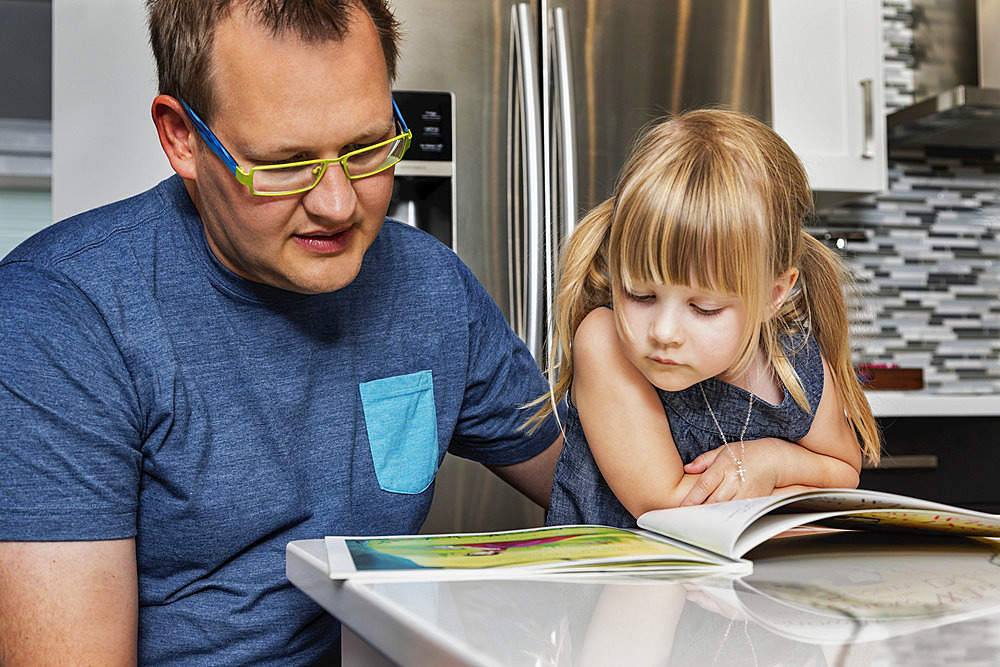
(428, 114)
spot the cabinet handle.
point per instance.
(868, 143)
(907, 462)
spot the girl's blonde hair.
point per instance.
(718, 199)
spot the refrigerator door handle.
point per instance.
(566, 130)
(524, 182)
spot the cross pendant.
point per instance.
(740, 470)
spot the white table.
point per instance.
(837, 600)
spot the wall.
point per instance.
(25, 112)
(925, 251)
(103, 82)
(26, 55)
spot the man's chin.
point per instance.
(322, 283)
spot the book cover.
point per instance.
(525, 552)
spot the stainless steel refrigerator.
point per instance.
(548, 96)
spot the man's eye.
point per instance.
(288, 160)
(350, 148)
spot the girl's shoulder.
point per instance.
(595, 331)
(803, 351)
(596, 349)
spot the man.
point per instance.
(242, 356)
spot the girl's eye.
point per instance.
(639, 298)
(708, 312)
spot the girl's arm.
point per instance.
(624, 421)
(833, 438)
(827, 456)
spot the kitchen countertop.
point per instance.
(838, 599)
(924, 403)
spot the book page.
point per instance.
(714, 526)
(734, 528)
(907, 520)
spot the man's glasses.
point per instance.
(295, 177)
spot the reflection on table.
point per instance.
(828, 599)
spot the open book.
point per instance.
(702, 538)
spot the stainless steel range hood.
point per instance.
(956, 77)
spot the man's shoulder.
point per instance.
(411, 262)
(412, 245)
(405, 254)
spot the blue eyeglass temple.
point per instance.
(213, 142)
(209, 138)
(399, 116)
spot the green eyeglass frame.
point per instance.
(399, 145)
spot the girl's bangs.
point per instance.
(691, 228)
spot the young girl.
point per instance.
(703, 333)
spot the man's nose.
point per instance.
(333, 198)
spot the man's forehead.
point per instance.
(242, 44)
(283, 89)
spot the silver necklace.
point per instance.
(738, 460)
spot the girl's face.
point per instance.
(680, 335)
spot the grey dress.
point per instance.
(581, 495)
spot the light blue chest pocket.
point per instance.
(402, 430)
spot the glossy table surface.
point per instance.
(827, 599)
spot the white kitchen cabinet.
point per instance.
(827, 90)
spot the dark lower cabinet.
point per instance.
(954, 460)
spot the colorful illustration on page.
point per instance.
(526, 548)
(916, 520)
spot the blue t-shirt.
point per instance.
(580, 494)
(147, 391)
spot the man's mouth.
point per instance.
(323, 242)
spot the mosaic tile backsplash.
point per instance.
(926, 252)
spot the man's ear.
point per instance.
(783, 285)
(177, 137)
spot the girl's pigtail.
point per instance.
(822, 278)
(583, 286)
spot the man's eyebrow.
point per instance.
(379, 131)
(374, 133)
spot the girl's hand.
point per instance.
(701, 464)
(719, 480)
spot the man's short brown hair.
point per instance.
(182, 32)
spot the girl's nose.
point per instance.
(665, 329)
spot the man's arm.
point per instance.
(68, 602)
(533, 477)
